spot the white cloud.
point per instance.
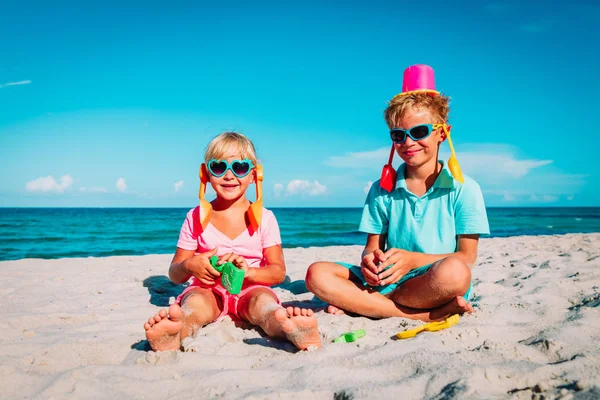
(278, 188)
(27, 82)
(509, 197)
(570, 198)
(48, 184)
(360, 159)
(121, 185)
(178, 185)
(93, 190)
(299, 187)
(496, 161)
(368, 187)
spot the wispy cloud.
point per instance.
(121, 185)
(49, 184)
(368, 187)
(93, 190)
(500, 7)
(27, 82)
(479, 158)
(178, 185)
(298, 187)
(536, 27)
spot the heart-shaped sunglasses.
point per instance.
(240, 168)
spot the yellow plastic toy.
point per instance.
(254, 211)
(430, 327)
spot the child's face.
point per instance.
(420, 152)
(229, 186)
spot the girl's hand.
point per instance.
(236, 260)
(199, 266)
(369, 267)
(399, 262)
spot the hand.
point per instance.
(239, 261)
(399, 262)
(199, 266)
(369, 267)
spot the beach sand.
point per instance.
(73, 328)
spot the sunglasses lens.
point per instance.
(240, 168)
(419, 132)
(217, 167)
(398, 135)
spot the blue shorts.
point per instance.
(356, 270)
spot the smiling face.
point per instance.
(229, 187)
(421, 152)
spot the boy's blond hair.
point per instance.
(218, 147)
(438, 106)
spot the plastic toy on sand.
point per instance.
(430, 327)
(349, 337)
(232, 277)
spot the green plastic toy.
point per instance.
(349, 337)
(232, 277)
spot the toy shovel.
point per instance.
(388, 174)
(452, 161)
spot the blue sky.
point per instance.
(112, 104)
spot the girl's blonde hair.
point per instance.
(438, 106)
(217, 148)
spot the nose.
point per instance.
(408, 141)
(229, 174)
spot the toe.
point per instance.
(151, 321)
(157, 318)
(297, 311)
(147, 326)
(162, 313)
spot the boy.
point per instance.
(423, 233)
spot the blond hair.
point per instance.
(217, 148)
(437, 105)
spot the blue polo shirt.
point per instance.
(430, 223)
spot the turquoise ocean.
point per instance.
(104, 232)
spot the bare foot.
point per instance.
(162, 330)
(300, 326)
(457, 306)
(334, 310)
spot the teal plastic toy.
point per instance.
(349, 337)
(232, 277)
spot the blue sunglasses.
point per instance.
(240, 168)
(416, 133)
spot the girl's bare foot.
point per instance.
(457, 306)
(334, 310)
(162, 330)
(300, 326)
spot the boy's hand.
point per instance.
(369, 267)
(399, 262)
(199, 266)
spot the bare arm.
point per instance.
(401, 261)
(186, 263)
(466, 251)
(274, 272)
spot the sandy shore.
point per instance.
(72, 328)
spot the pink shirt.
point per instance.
(249, 247)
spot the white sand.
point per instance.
(72, 328)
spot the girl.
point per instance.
(233, 229)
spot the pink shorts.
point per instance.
(230, 301)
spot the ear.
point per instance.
(253, 176)
(443, 134)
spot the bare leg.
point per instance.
(165, 331)
(298, 325)
(333, 283)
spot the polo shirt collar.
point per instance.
(445, 180)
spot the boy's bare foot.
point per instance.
(162, 330)
(457, 306)
(334, 310)
(300, 326)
